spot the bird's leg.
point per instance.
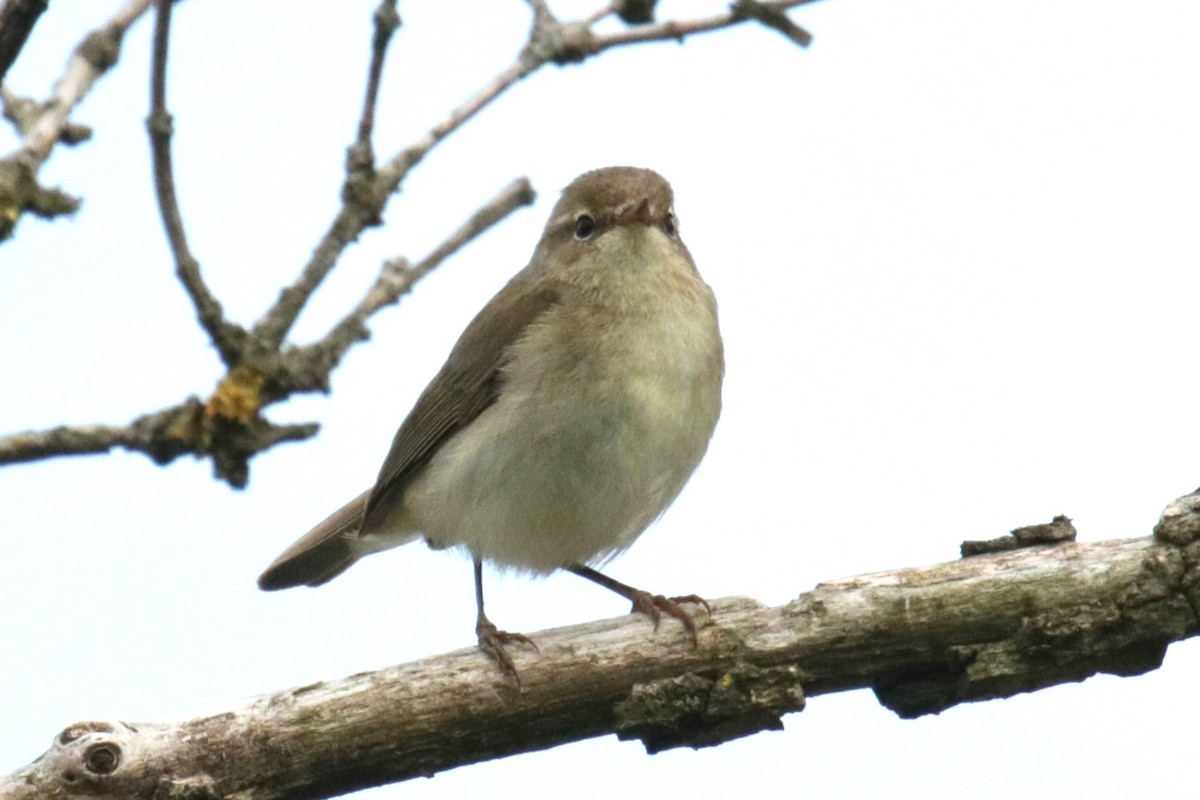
(492, 641)
(652, 605)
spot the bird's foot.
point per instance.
(494, 643)
(655, 605)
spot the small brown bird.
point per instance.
(569, 415)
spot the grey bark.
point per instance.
(923, 639)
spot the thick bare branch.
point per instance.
(923, 639)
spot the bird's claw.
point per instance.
(493, 642)
(655, 605)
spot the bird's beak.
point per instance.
(635, 213)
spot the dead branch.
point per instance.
(229, 427)
(923, 639)
(229, 339)
(44, 125)
(550, 42)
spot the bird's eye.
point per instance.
(585, 226)
(669, 226)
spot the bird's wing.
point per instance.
(469, 382)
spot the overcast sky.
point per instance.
(955, 249)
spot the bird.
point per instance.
(568, 416)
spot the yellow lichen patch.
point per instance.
(237, 397)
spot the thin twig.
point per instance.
(599, 14)
(44, 125)
(361, 207)
(17, 18)
(362, 154)
(678, 30)
(24, 113)
(550, 41)
(397, 278)
(92, 58)
(772, 16)
(225, 336)
(510, 198)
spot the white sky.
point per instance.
(955, 250)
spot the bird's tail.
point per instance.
(321, 554)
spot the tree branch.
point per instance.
(212, 429)
(923, 639)
(361, 156)
(311, 365)
(229, 339)
(17, 18)
(25, 113)
(19, 190)
(361, 208)
(550, 41)
(229, 427)
(771, 15)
